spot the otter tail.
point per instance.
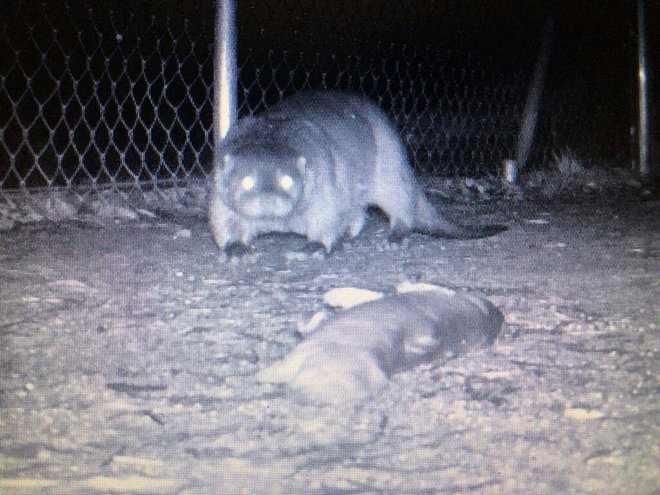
(429, 221)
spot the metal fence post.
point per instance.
(225, 84)
(531, 111)
(644, 167)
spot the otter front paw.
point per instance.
(236, 249)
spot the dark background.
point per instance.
(122, 91)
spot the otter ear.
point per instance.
(226, 162)
(300, 164)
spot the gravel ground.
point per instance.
(129, 351)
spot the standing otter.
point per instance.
(312, 165)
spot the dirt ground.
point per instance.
(129, 352)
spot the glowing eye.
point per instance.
(286, 182)
(247, 183)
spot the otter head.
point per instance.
(262, 185)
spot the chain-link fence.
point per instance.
(93, 94)
(119, 94)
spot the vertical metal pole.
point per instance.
(225, 86)
(531, 111)
(644, 167)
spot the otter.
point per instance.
(312, 165)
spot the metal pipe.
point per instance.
(643, 140)
(531, 111)
(225, 85)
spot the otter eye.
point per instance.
(247, 183)
(286, 182)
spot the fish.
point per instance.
(352, 354)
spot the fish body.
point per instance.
(353, 353)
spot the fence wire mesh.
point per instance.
(119, 94)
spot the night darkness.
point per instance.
(119, 92)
